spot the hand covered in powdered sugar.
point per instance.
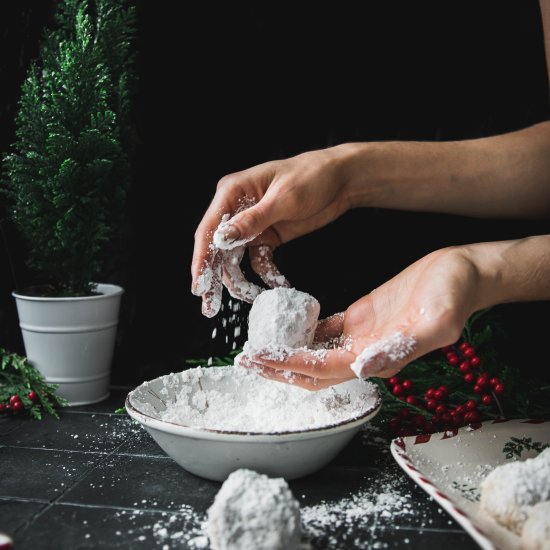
(272, 203)
(421, 309)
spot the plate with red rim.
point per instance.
(450, 466)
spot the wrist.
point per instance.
(359, 167)
(511, 271)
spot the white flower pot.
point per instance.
(71, 340)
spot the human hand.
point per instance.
(421, 309)
(271, 204)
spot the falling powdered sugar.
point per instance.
(377, 355)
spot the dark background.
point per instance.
(222, 89)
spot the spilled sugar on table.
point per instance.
(96, 479)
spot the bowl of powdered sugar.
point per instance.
(214, 420)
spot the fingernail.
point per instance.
(231, 234)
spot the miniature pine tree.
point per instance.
(69, 170)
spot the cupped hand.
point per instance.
(270, 204)
(421, 309)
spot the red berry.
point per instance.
(444, 389)
(428, 427)
(465, 345)
(418, 420)
(397, 389)
(2, 407)
(494, 382)
(452, 359)
(14, 399)
(486, 399)
(482, 382)
(407, 384)
(461, 409)
(469, 378)
(469, 352)
(440, 409)
(457, 419)
(447, 349)
(486, 375)
(475, 361)
(478, 389)
(33, 396)
(394, 423)
(446, 417)
(472, 416)
(404, 413)
(393, 380)
(17, 406)
(430, 393)
(464, 367)
(431, 404)
(499, 389)
(439, 395)
(411, 400)
(470, 405)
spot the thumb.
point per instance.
(247, 225)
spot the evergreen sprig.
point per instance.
(18, 377)
(69, 170)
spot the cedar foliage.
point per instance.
(68, 173)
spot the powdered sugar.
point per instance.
(377, 355)
(237, 285)
(510, 490)
(536, 531)
(281, 318)
(253, 511)
(220, 240)
(207, 395)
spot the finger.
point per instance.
(248, 224)
(233, 277)
(261, 260)
(329, 328)
(317, 364)
(429, 334)
(288, 377)
(212, 298)
(204, 250)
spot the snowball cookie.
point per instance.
(282, 318)
(510, 490)
(536, 531)
(252, 512)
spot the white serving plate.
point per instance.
(450, 465)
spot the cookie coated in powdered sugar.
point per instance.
(252, 511)
(510, 491)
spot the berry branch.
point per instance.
(22, 388)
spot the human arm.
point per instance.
(428, 303)
(498, 176)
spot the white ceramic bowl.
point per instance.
(214, 454)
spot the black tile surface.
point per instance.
(96, 479)
(15, 513)
(129, 481)
(73, 432)
(41, 474)
(141, 443)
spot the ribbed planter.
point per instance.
(71, 340)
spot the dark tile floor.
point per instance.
(95, 479)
